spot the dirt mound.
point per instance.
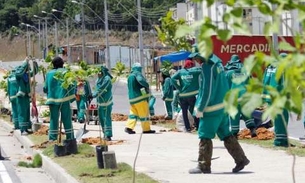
(43, 130)
(43, 145)
(157, 118)
(98, 141)
(262, 134)
(119, 117)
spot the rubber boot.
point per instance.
(204, 158)
(236, 152)
(71, 146)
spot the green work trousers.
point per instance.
(64, 111)
(169, 109)
(81, 108)
(104, 113)
(235, 122)
(280, 129)
(216, 124)
(15, 114)
(24, 113)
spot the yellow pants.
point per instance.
(139, 111)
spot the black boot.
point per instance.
(129, 131)
(71, 146)
(237, 153)
(149, 131)
(253, 132)
(204, 158)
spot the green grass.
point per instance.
(83, 166)
(299, 150)
(38, 139)
(36, 163)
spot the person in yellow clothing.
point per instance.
(138, 94)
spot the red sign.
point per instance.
(243, 46)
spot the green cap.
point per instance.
(195, 51)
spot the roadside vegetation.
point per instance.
(36, 163)
(83, 165)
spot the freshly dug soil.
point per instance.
(157, 118)
(119, 117)
(98, 141)
(43, 130)
(43, 145)
(262, 134)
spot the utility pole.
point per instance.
(274, 34)
(47, 44)
(43, 39)
(83, 32)
(140, 36)
(107, 53)
(39, 37)
(68, 44)
(56, 39)
(29, 42)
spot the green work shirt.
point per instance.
(187, 81)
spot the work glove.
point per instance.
(198, 114)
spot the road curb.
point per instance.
(58, 173)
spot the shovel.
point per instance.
(83, 131)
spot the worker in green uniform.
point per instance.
(167, 93)
(281, 120)
(12, 90)
(233, 71)
(151, 103)
(23, 76)
(138, 95)
(59, 99)
(233, 64)
(82, 93)
(213, 119)
(186, 81)
(103, 93)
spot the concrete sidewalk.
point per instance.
(167, 157)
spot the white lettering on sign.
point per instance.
(241, 48)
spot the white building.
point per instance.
(251, 15)
(180, 11)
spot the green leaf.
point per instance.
(224, 34)
(249, 102)
(230, 2)
(230, 102)
(210, 3)
(226, 17)
(264, 8)
(183, 30)
(283, 45)
(237, 12)
(275, 108)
